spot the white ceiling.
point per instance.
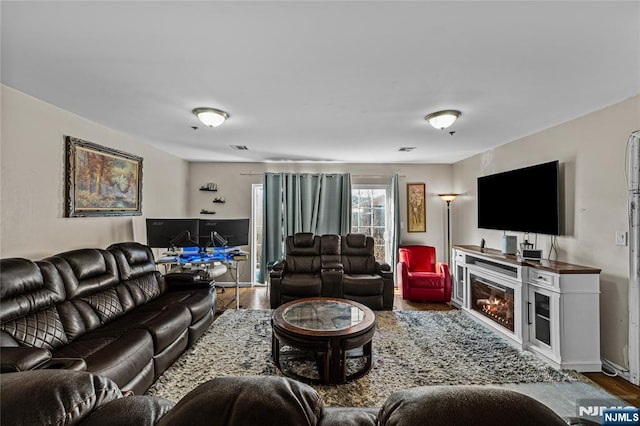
(324, 81)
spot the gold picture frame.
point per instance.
(416, 208)
(101, 181)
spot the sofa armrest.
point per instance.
(383, 267)
(22, 358)
(279, 267)
(275, 277)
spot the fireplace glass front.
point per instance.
(493, 301)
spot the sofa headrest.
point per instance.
(134, 259)
(356, 240)
(27, 286)
(135, 253)
(310, 245)
(303, 239)
(248, 400)
(357, 245)
(464, 405)
(86, 271)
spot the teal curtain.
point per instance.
(272, 222)
(302, 202)
(395, 221)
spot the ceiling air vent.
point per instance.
(239, 147)
(406, 148)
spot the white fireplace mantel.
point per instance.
(556, 305)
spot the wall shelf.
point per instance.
(203, 211)
(204, 188)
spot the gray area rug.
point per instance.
(411, 348)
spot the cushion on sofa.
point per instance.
(119, 358)
(250, 400)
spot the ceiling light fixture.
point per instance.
(443, 119)
(210, 116)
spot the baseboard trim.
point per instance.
(618, 370)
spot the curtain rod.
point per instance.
(314, 173)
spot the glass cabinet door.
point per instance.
(542, 320)
(459, 284)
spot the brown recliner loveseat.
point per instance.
(331, 266)
(107, 311)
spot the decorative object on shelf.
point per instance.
(416, 208)
(218, 200)
(212, 117)
(442, 119)
(209, 187)
(203, 211)
(448, 198)
(101, 181)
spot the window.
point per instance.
(369, 208)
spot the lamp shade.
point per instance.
(210, 116)
(448, 197)
(442, 119)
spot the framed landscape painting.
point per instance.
(416, 208)
(101, 181)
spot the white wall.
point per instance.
(32, 181)
(234, 182)
(591, 150)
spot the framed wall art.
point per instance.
(416, 208)
(101, 181)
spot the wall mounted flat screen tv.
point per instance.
(526, 200)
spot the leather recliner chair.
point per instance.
(420, 277)
(364, 279)
(299, 274)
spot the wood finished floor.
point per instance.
(258, 298)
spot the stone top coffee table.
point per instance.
(327, 327)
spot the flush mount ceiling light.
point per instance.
(210, 116)
(442, 119)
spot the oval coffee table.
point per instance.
(327, 327)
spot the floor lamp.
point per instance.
(448, 198)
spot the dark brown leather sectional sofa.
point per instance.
(109, 312)
(72, 398)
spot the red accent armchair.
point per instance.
(420, 278)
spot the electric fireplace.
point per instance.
(492, 300)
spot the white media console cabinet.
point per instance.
(549, 308)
